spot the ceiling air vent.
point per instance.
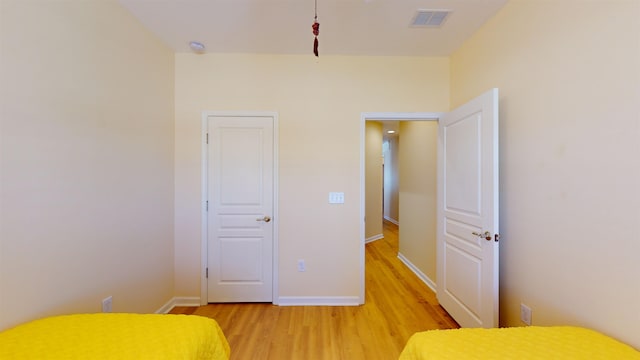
(430, 18)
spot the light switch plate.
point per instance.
(336, 198)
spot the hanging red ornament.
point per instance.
(316, 32)
(316, 29)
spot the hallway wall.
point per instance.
(418, 194)
(373, 180)
(391, 180)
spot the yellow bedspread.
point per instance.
(523, 343)
(116, 336)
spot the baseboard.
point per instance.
(393, 221)
(319, 301)
(178, 301)
(425, 279)
(373, 238)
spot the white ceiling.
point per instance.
(347, 27)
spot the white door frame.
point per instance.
(204, 186)
(370, 116)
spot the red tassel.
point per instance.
(316, 31)
(315, 46)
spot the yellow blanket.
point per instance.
(116, 336)
(544, 343)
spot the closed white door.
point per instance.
(467, 231)
(240, 207)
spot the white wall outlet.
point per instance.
(107, 304)
(301, 265)
(525, 314)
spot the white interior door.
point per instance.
(467, 244)
(240, 207)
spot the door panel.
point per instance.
(240, 260)
(463, 165)
(463, 280)
(240, 188)
(240, 166)
(467, 208)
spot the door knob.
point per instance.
(265, 219)
(486, 235)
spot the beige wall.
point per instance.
(391, 193)
(319, 102)
(417, 159)
(373, 180)
(569, 79)
(86, 161)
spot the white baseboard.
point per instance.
(425, 279)
(178, 301)
(393, 221)
(373, 238)
(319, 301)
(282, 301)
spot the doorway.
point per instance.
(391, 118)
(467, 208)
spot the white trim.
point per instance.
(408, 116)
(187, 301)
(379, 116)
(373, 238)
(362, 208)
(319, 301)
(276, 218)
(425, 279)
(178, 301)
(167, 307)
(276, 221)
(393, 221)
(204, 245)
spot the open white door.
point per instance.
(240, 208)
(467, 233)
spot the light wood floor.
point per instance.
(397, 305)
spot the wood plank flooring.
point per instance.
(397, 304)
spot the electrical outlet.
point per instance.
(107, 304)
(525, 314)
(301, 265)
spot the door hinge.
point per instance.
(207, 273)
(207, 138)
(208, 207)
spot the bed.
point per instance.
(116, 336)
(562, 342)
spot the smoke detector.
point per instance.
(197, 47)
(430, 18)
